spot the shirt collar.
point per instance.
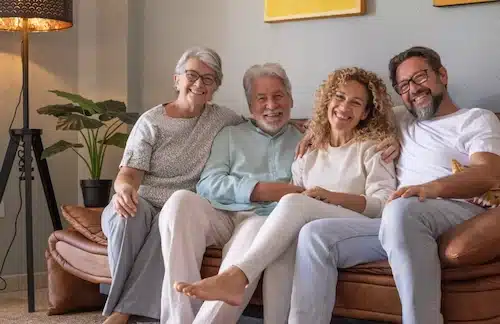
(252, 124)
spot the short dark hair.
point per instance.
(431, 56)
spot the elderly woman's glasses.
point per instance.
(193, 76)
(418, 78)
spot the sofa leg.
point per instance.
(68, 293)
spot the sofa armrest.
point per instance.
(87, 221)
(473, 242)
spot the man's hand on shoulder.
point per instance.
(390, 148)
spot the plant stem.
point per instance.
(114, 130)
(110, 126)
(85, 138)
(90, 150)
(84, 160)
(95, 167)
(102, 156)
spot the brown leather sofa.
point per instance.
(470, 256)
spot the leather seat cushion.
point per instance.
(79, 256)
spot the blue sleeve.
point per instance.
(216, 181)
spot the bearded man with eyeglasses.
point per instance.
(429, 201)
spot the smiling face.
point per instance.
(271, 104)
(197, 84)
(421, 88)
(348, 107)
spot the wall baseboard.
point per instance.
(19, 282)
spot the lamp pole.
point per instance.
(26, 16)
(27, 171)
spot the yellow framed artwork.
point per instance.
(285, 10)
(444, 3)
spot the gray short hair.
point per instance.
(267, 69)
(204, 54)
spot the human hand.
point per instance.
(423, 192)
(320, 194)
(300, 124)
(126, 200)
(390, 149)
(302, 147)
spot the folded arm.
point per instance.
(216, 181)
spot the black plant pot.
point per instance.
(96, 192)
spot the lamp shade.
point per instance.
(41, 15)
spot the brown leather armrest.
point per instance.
(475, 241)
(87, 221)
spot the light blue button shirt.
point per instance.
(241, 156)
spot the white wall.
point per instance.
(467, 37)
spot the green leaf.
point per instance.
(77, 122)
(112, 105)
(87, 105)
(58, 148)
(118, 139)
(127, 118)
(59, 110)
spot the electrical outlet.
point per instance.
(2, 210)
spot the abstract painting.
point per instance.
(285, 10)
(443, 3)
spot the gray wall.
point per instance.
(467, 37)
(127, 50)
(92, 59)
(52, 66)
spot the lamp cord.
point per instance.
(20, 154)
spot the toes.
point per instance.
(189, 290)
(180, 286)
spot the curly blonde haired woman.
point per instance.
(343, 176)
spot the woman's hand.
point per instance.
(391, 149)
(126, 200)
(126, 185)
(321, 194)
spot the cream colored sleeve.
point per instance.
(298, 171)
(380, 182)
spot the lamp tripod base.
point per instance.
(25, 140)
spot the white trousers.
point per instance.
(276, 240)
(188, 225)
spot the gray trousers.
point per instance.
(135, 261)
(406, 235)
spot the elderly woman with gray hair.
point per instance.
(166, 151)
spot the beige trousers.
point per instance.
(188, 225)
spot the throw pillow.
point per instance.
(489, 199)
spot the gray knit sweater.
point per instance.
(173, 151)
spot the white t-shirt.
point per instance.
(427, 147)
(354, 168)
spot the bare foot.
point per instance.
(117, 318)
(228, 286)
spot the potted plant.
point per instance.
(98, 124)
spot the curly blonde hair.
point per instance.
(377, 126)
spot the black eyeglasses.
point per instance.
(193, 76)
(418, 78)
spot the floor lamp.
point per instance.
(31, 16)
